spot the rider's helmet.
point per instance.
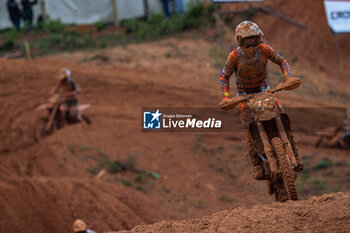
(248, 34)
(79, 225)
(63, 73)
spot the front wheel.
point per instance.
(288, 175)
(39, 129)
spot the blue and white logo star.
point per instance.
(151, 120)
(156, 115)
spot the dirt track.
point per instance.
(45, 186)
(328, 213)
(200, 174)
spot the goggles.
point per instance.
(251, 41)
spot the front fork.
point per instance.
(267, 145)
(286, 143)
(267, 149)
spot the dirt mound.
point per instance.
(51, 204)
(328, 213)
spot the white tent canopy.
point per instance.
(86, 11)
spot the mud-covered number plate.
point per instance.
(262, 103)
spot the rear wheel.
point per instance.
(288, 175)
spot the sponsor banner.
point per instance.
(338, 15)
(307, 120)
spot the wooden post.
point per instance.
(115, 12)
(27, 49)
(43, 9)
(145, 4)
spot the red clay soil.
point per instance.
(47, 204)
(45, 186)
(328, 213)
(314, 47)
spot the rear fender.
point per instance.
(43, 107)
(83, 107)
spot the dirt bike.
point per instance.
(46, 125)
(337, 139)
(273, 141)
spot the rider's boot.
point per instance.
(245, 120)
(258, 170)
(63, 119)
(270, 187)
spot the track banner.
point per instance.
(219, 1)
(338, 15)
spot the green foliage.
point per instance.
(168, 55)
(63, 41)
(127, 182)
(324, 164)
(252, 12)
(228, 19)
(71, 148)
(118, 166)
(84, 147)
(320, 183)
(53, 26)
(115, 167)
(157, 25)
(232, 155)
(140, 188)
(92, 170)
(335, 188)
(59, 37)
(198, 15)
(100, 25)
(200, 137)
(300, 186)
(305, 174)
(10, 36)
(200, 204)
(166, 189)
(155, 175)
(239, 146)
(130, 162)
(219, 62)
(130, 25)
(226, 198)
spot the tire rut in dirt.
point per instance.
(288, 174)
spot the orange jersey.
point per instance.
(251, 73)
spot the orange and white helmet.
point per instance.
(79, 225)
(247, 29)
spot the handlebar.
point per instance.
(291, 84)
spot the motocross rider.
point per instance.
(248, 61)
(68, 90)
(339, 138)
